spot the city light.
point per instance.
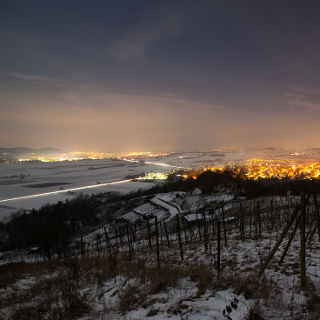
(88, 155)
(267, 168)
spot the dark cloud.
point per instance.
(167, 74)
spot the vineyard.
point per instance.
(248, 257)
(214, 229)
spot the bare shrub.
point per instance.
(252, 288)
(130, 298)
(54, 298)
(160, 279)
(255, 313)
(202, 275)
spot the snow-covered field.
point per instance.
(30, 185)
(188, 290)
(40, 183)
(27, 185)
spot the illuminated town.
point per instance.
(268, 168)
(87, 155)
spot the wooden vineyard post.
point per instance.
(303, 279)
(199, 229)
(129, 242)
(157, 241)
(251, 213)
(212, 222)
(161, 232)
(259, 220)
(191, 234)
(179, 237)
(241, 222)
(167, 234)
(133, 238)
(134, 232)
(97, 240)
(205, 235)
(224, 228)
(290, 240)
(276, 246)
(218, 248)
(108, 244)
(185, 234)
(149, 235)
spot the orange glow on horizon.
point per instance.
(268, 168)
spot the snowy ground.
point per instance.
(193, 294)
(32, 179)
(24, 179)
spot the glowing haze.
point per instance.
(159, 75)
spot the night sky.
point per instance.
(159, 75)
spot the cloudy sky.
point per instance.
(159, 75)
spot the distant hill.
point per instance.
(23, 150)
